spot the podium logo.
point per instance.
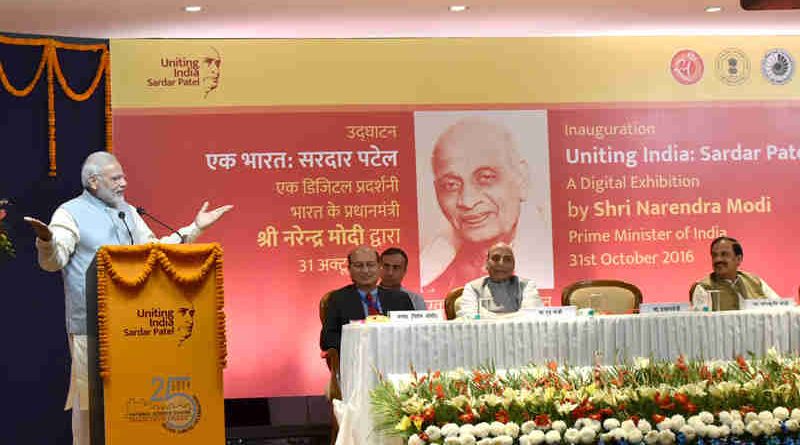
(171, 404)
(196, 72)
(176, 322)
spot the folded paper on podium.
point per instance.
(161, 338)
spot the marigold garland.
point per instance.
(158, 254)
(27, 90)
(50, 61)
(222, 342)
(102, 315)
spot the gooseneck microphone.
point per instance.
(121, 215)
(141, 211)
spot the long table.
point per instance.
(391, 348)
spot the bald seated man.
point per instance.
(501, 293)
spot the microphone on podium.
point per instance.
(143, 212)
(121, 215)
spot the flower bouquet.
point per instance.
(644, 401)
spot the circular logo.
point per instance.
(732, 66)
(777, 66)
(686, 67)
(181, 412)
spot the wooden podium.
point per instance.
(157, 349)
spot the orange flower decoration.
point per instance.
(502, 416)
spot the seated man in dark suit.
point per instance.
(362, 298)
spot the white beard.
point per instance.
(110, 198)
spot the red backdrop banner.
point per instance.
(605, 192)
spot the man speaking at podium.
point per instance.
(99, 216)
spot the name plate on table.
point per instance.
(659, 308)
(415, 316)
(553, 311)
(764, 303)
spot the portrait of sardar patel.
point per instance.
(483, 178)
(210, 71)
(184, 322)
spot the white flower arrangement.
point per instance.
(583, 431)
(503, 440)
(537, 437)
(634, 436)
(572, 436)
(780, 413)
(552, 437)
(512, 430)
(415, 440)
(450, 430)
(610, 423)
(587, 435)
(482, 430)
(527, 427)
(642, 402)
(433, 432)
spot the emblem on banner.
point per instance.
(687, 67)
(732, 66)
(777, 66)
(200, 72)
(170, 404)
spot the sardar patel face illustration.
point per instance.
(210, 70)
(184, 322)
(480, 180)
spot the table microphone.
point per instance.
(141, 211)
(121, 215)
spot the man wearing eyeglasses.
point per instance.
(361, 299)
(394, 265)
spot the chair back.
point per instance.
(450, 302)
(605, 296)
(323, 306)
(330, 355)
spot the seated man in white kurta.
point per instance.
(499, 294)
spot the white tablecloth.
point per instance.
(392, 348)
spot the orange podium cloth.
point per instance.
(161, 333)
